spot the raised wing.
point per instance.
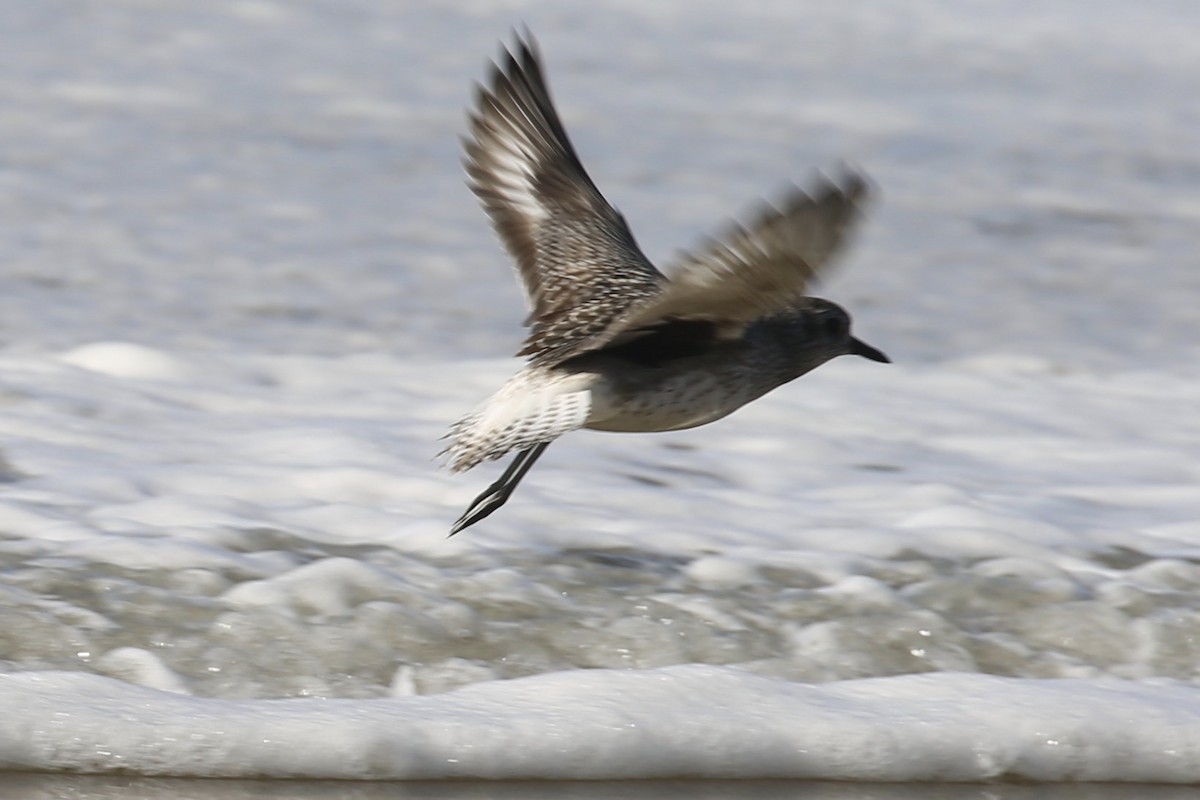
(759, 269)
(576, 257)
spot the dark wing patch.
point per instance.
(665, 342)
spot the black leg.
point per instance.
(497, 494)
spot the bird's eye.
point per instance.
(836, 326)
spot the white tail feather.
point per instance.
(534, 406)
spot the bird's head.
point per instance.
(817, 330)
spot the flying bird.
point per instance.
(615, 344)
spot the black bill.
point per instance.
(861, 348)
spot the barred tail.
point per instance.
(535, 406)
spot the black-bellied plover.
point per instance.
(615, 344)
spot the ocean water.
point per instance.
(26, 786)
(246, 291)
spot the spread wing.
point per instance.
(580, 266)
(762, 268)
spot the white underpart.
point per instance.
(534, 406)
